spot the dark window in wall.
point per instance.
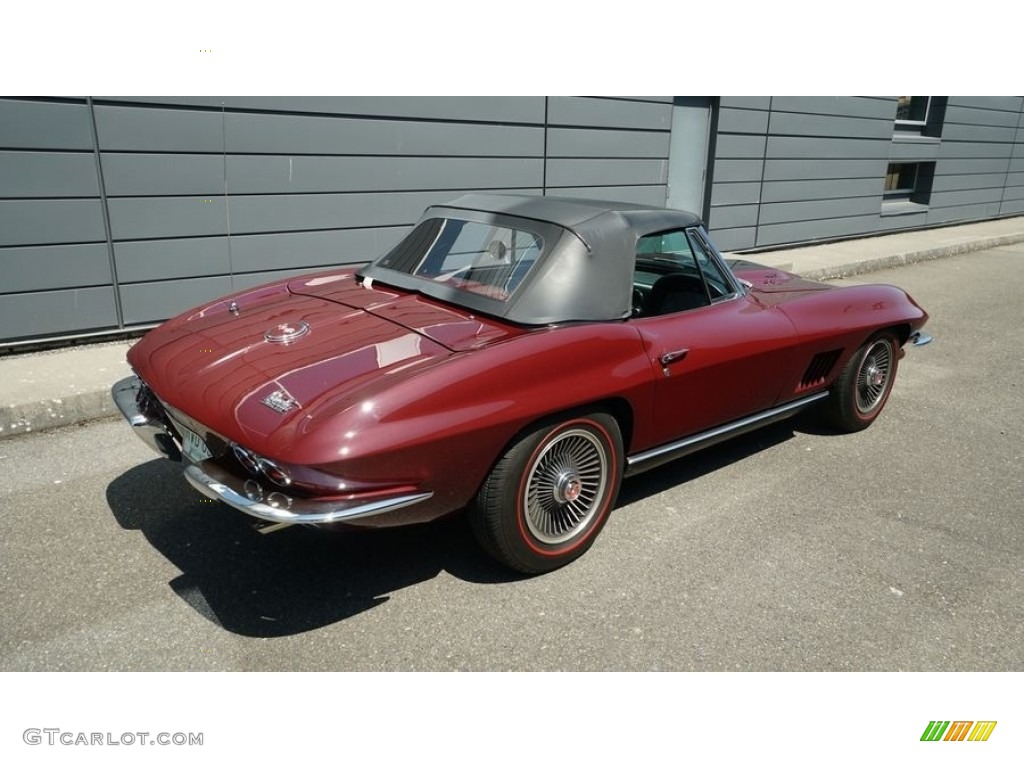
(900, 179)
(912, 109)
(921, 115)
(907, 183)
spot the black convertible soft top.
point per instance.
(581, 217)
(583, 276)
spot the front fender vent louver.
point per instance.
(819, 369)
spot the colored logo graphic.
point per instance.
(958, 730)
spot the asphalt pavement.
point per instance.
(44, 390)
(792, 548)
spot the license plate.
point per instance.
(193, 447)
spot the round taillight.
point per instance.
(247, 459)
(275, 473)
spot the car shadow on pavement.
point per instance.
(298, 579)
(295, 579)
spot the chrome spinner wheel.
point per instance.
(873, 375)
(863, 385)
(566, 486)
(548, 497)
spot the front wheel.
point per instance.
(863, 386)
(548, 497)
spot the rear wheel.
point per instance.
(863, 386)
(548, 497)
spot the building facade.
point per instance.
(116, 213)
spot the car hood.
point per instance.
(774, 286)
(279, 360)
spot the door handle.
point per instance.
(673, 357)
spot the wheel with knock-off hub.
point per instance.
(863, 386)
(548, 497)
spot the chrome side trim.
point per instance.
(920, 338)
(146, 425)
(305, 511)
(670, 451)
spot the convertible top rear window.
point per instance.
(480, 258)
(527, 259)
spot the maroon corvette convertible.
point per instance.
(512, 356)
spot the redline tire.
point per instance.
(863, 386)
(549, 496)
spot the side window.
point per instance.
(718, 284)
(667, 248)
(667, 277)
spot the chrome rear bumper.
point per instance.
(134, 401)
(304, 511)
(144, 413)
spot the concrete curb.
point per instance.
(57, 388)
(26, 418)
(864, 266)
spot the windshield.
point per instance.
(484, 259)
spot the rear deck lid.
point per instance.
(453, 327)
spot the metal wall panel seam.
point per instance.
(116, 290)
(313, 113)
(959, 197)
(610, 185)
(573, 111)
(53, 267)
(960, 115)
(764, 161)
(318, 153)
(609, 172)
(47, 175)
(262, 233)
(824, 229)
(793, 124)
(837, 106)
(227, 198)
(641, 99)
(544, 164)
(1017, 140)
(951, 182)
(994, 103)
(456, 190)
(805, 169)
(813, 190)
(818, 210)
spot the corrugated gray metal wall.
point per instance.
(794, 169)
(55, 271)
(118, 212)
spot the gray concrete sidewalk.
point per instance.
(869, 254)
(44, 390)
